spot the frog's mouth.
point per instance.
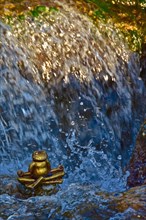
(39, 156)
(39, 159)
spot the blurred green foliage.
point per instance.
(38, 10)
(129, 16)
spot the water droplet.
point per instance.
(99, 164)
(106, 77)
(144, 133)
(119, 157)
(72, 123)
(81, 103)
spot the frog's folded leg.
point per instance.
(54, 176)
(60, 168)
(40, 180)
(35, 183)
(52, 182)
(26, 180)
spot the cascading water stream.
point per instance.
(67, 88)
(71, 89)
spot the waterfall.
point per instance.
(72, 89)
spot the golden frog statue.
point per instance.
(40, 172)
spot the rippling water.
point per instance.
(74, 90)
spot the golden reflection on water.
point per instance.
(15, 7)
(129, 19)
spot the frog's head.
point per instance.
(39, 155)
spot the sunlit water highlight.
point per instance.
(74, 90)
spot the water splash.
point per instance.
(72, 89)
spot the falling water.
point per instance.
(71, 89)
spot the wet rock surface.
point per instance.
(137, 166)
(76, 201)
(143, 63)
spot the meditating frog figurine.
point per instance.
(40, 172)
(40, 165)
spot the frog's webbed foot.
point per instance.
(60, 168)
(20, 173)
